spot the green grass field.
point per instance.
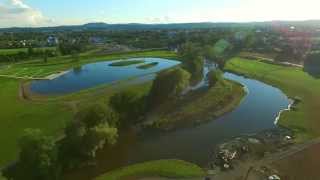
(162, 168)
(51, 113)
(17, 115)
(294, 82)
(16, 51)
(39, 69)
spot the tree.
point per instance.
(208, 52)
(97, 137)
(75, 56)
(129, 105)
(192, 60)
(312, 64)
(1, 177)
(45, 56)
(214, 76)
(30, 51)
(168, 84)
(92, 116)
(37, 159)
(90, 131)
(222, 50)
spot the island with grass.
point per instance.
(148, 66)
(127, 63)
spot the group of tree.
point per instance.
(312, 64)
(130, 106)
(219, 52)
(29, 54)
(45, 158)
(67, 47)
(193, 60)
(214, 77)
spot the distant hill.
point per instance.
(135, 26)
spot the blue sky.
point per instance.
(60, 12)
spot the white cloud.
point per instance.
(17, 13)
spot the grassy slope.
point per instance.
(161, 168)
(294, 82)
(222, 98)
(17, 115)
(39, 69)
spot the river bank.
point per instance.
(197, 107)
(303, 120)
(295, 83)
(194, 144)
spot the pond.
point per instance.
(91, 75)
(257, 112)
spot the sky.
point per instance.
(35, 13)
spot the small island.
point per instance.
(148, 66)
(127, 62)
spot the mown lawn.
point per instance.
(39, 69)
(161, 168)
(17, 115)
(294, 82)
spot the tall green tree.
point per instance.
(38, 158)
(1, 177)
(168, 85)
(45, 56)
(214, 77)
(30, 51)
(90, 131)
(130, 106)
(193, 62)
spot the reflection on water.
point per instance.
(91, 75)
(256, 112)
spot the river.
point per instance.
(257, 112)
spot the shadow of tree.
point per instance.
(312, 65)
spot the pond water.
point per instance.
(257, 112)
(91, 75)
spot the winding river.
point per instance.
(257, 112)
